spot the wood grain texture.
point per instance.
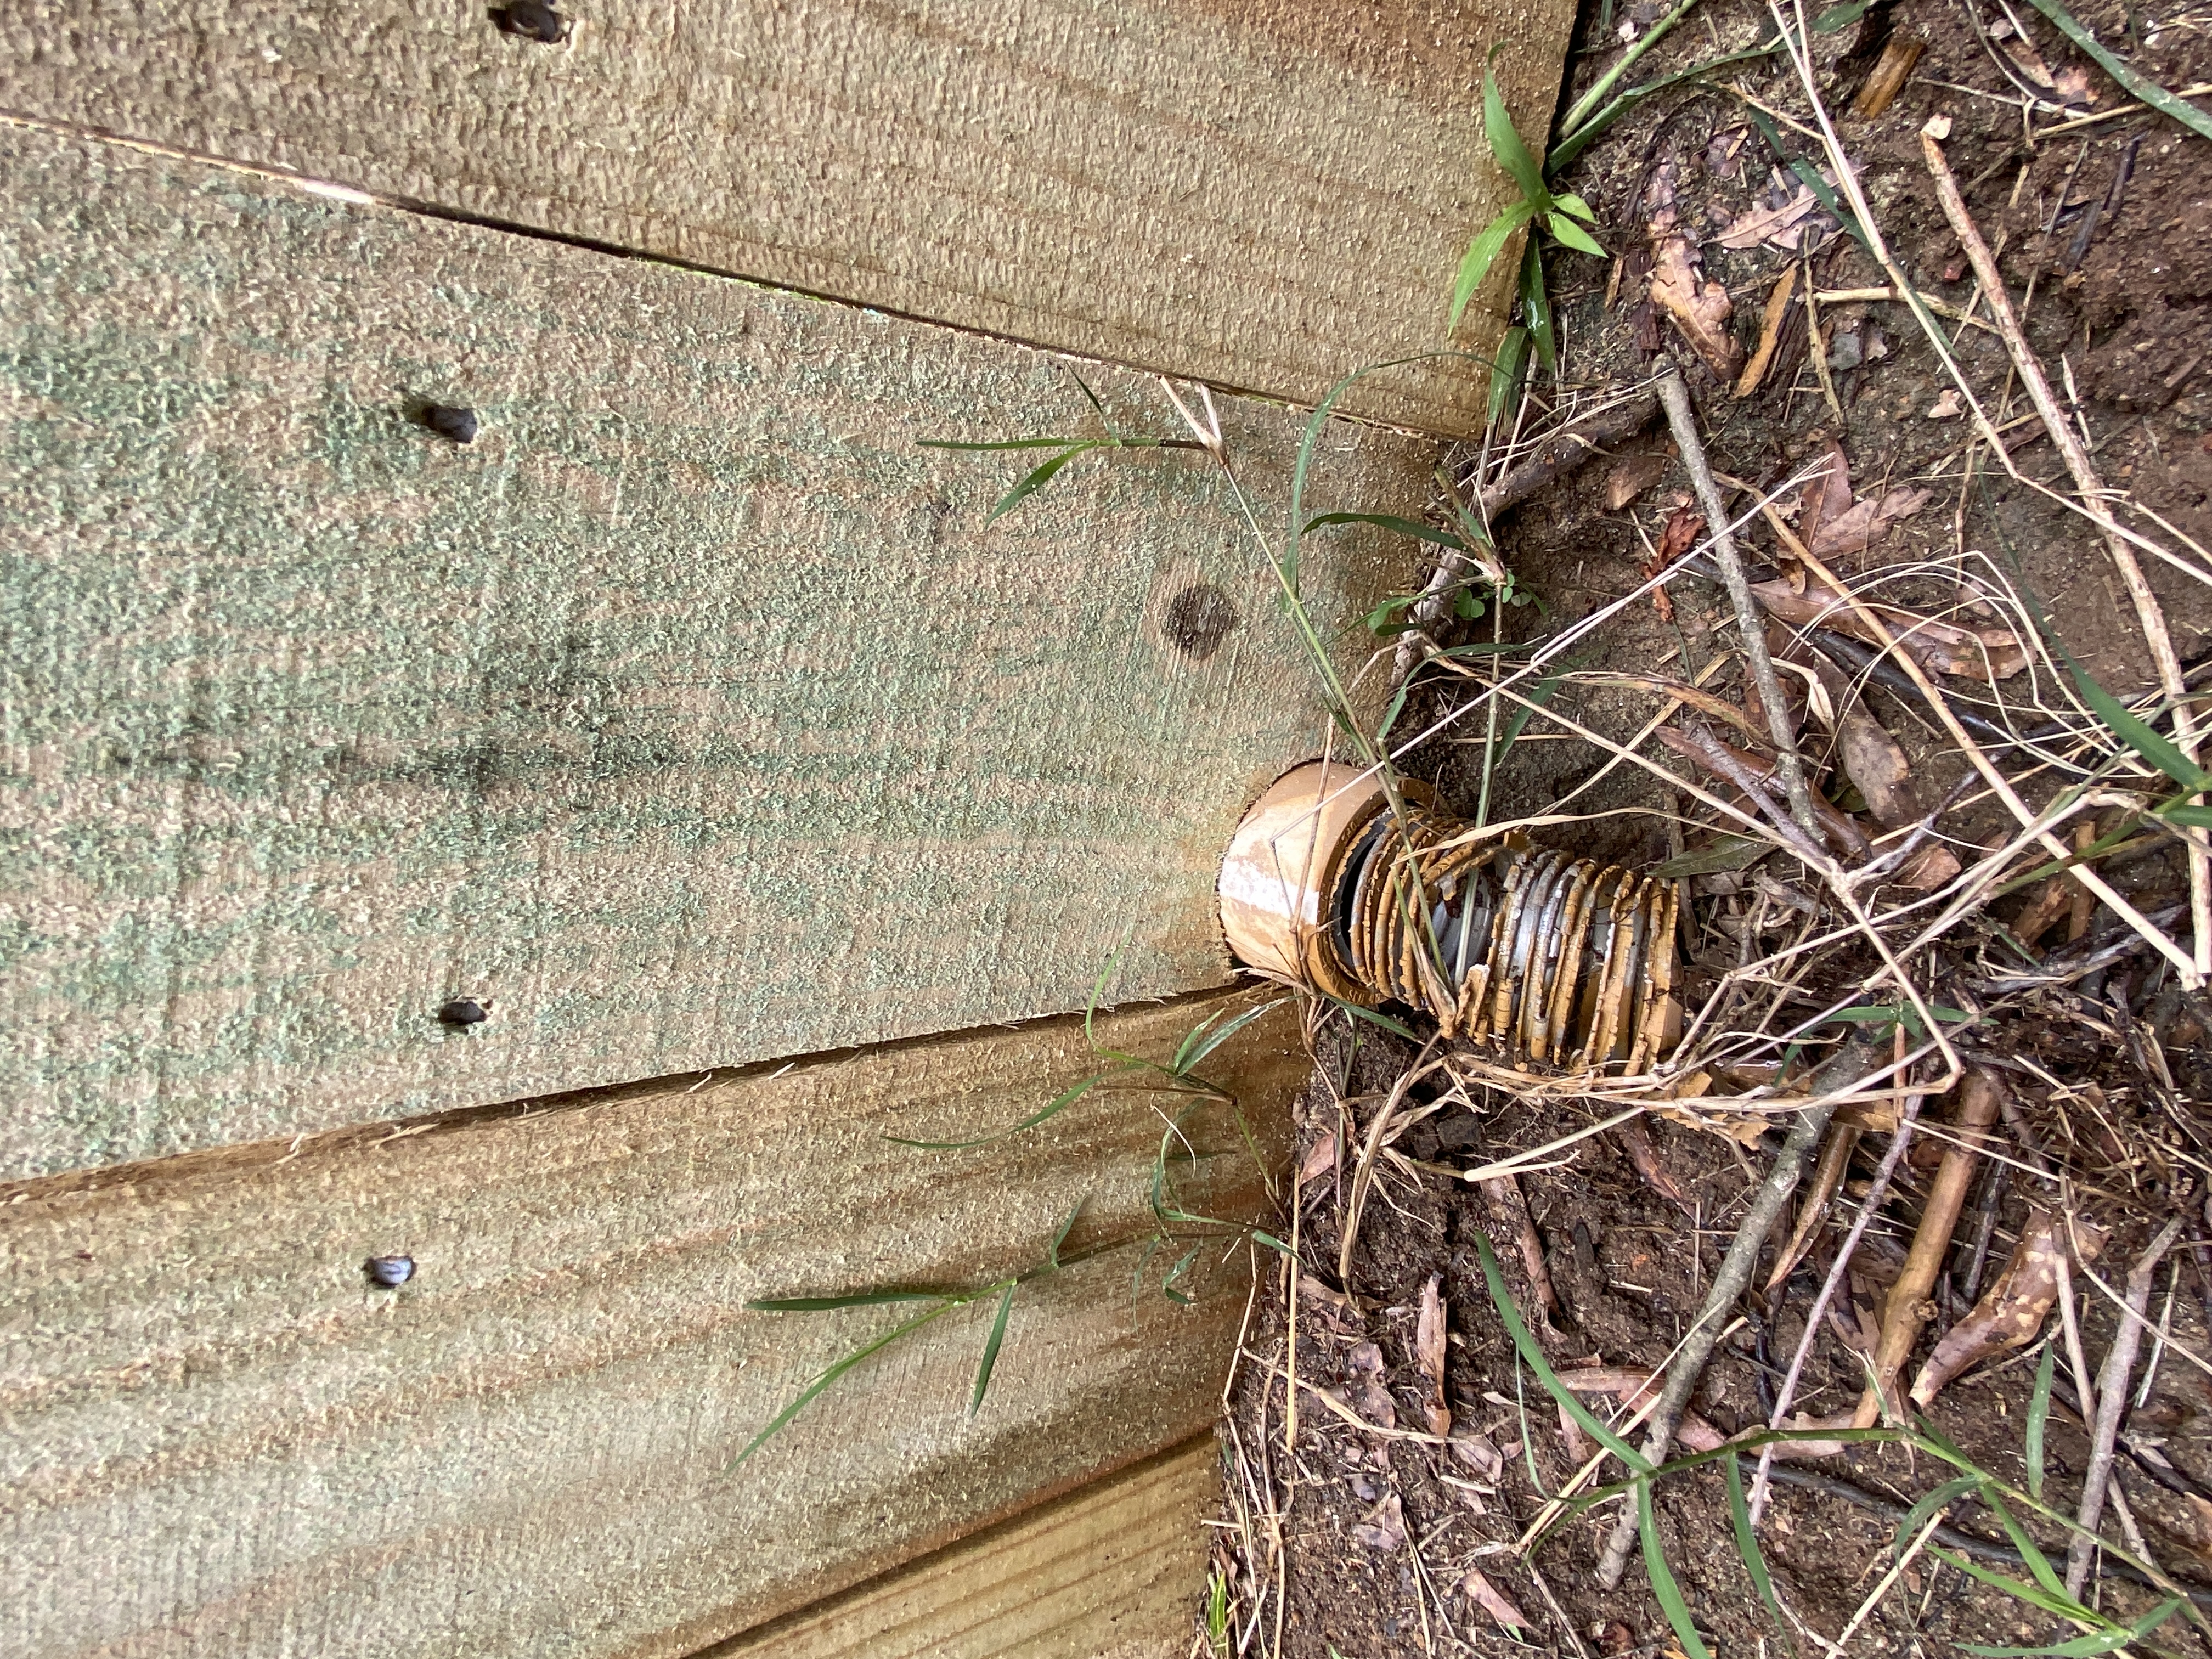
(1263, 193)
(215, 1437)
(1113, 1570)
(691, 714)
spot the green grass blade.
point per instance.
(2137, 736)
(813, 1390)
(1059, 1103)
(1003, 443)
(1372, 1017)
(1482, 254)
(1182, 1062)
(2149, 91)
(1809, 176)
(1663, 1587)
(2020, 1589)
(2082, 1647)
(1574, 140)
(1534, 1355)
(2181, 812)
(1568, 202)
(830, 1304)
(1505, 377)
(1838, 17)
(2030, 1551)
(1092, 398)
(1183, 1267)
(1949, 1492)
(1037, 479)
(992, 1344)
(2039, 1418)
(1505, 144)
(1066, 1227)
(1401, 527)
(1571, 234)
(1536, 307)
(1219, 1035)
(1603, 89)
(1746, 1540)
(1544, 690)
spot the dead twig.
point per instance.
(1908, 1307)
(1877, 1190)
(1858, 1060)
(1751, 621)
(2148, 615)
(2112, 1400)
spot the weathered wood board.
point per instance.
(1266, 196)
(691, 714)
(220, 1439)
(1111, 1571)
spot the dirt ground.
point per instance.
(1389, 1544)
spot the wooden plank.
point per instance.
(1112, 1571)
(222, 1439)
(1263, 195)
(690, 715)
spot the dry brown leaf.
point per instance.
(1807, 1451)
(1867, 522)
(1645, 1157)
(1384, 1529)
(2027, 60)
(1681, 532)
(1487, 1596)
(2013, 1309)
(1320, 1161)
(2071, 85)
(1631, 1382)
(1827, 495)
(1874, 762)
(1770, 333)
(1364, 1391)
(1479, 1452)
(1429, 1351)
(1929, 868)
(1983, 653)
(1630, 476)
(1750, 229)
(1700, 309)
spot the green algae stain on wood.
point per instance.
(690, 715)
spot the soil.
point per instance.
(2104, 236)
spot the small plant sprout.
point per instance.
(937, 1305)
(1556, 215)
(1064, 449)
(1178, 1075)
(1917, 1530)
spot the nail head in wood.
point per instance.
(531, 19)
(389, 1272)
(451, 420)
(462, 1011)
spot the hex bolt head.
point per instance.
(462, 1011)
(451, 420)
(389, 1272)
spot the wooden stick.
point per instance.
(2149, 614)
(1858, 1060)
(2111, 1399)
(1751, 621)
(1908, 1307)
(1941, 706)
